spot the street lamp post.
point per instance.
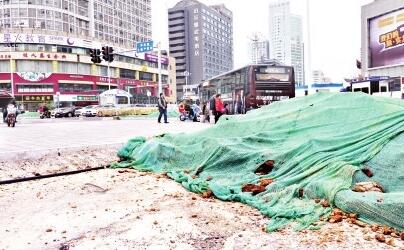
(186, 74)
(11, 72)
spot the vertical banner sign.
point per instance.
(196, 32)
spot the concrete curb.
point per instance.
(73, 119)
(53, 152)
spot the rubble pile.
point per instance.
(340, 149)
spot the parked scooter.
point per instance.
(45, 114)
(11, 119)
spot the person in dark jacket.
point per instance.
(162, 108)
(219, 107)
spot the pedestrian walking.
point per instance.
(219, 107)
(238, 105)
(162, 108)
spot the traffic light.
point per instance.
(95, 55)
(107, 53)
(110, 54)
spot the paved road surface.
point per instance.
(30, 137)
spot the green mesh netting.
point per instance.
(317, 142)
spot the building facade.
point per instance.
(45, 44)
(382, 38)
(286, 37)
(201, 41)
(296, 48)
(117, 22)
(319, 77)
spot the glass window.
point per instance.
(127, 73)
(34, 66)
(103, 71)
(72, 87)
(64, 49)
(30, 88)
(4, 66)
(74, 68)
(145, 76)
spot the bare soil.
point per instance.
(128, 209)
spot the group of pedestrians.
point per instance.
(216, 106)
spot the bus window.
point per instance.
(357, 90)
(365, 90)
(383, 89)
(374, 87)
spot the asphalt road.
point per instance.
(35, 136)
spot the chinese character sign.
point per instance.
(196, 34)
(144, 47)
(386, 39)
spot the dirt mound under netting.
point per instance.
(282, 157)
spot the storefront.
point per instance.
(33, 102)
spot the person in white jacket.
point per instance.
(11, 109)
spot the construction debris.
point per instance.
(367, 187)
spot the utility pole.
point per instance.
(11, 67)
(109, 78)
(160, 87)
(308, 73)
(186, 74)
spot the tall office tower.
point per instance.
(201, 41)
(286, 37)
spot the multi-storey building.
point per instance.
(44, 50)
(320, 78)
(259, 50)
(118, 22)
(296, 48)
(201, 41)
(285, 32)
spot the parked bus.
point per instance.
(255, 85)
(380, 86)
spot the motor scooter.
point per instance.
(11, 118)
(45, 114)
(187, 115)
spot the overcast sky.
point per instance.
(335, 30)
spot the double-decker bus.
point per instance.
(255, 85)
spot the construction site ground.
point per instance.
(128, 209)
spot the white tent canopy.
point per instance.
(116, 97)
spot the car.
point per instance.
(63, 112)
(90, 110)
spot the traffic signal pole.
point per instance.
(109, 78)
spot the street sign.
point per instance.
(144, 46)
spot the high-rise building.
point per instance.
(45, 51)
(201, 41)
(259, 49)
(285, 36)
(296, 48)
